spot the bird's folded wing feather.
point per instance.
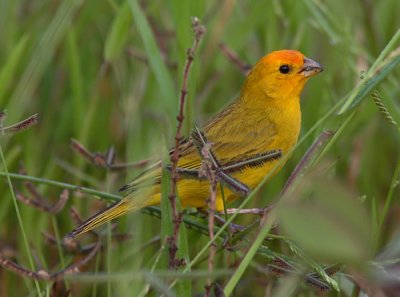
(228, 151)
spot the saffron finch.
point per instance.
(264, 120)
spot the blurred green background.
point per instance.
(108, 74)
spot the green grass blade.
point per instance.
(389, 198)
(42, 55)
(20, 221)
(157, 64)
(371, 80)
(9, 70)
(393, 43)
(322, 20)
(365, 88)
(118, 35)
(76, 78)
(264, 230)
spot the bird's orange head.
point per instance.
(280, 74)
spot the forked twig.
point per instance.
(68, 245)
(104, 160)
(38, 204)
(37, 200)
(45, 275)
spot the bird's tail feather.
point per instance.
(113, 211)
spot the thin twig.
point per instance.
(281, 267)
(234, 58)
(306, 160)
(37, 200)
(104, 160)
(207, 169)
(296, 173)
(71, 246)
(44, 275)
(80, 149)
(199, 30)
(39, 204)
(30, 187)
(141, 56)
(17, 211)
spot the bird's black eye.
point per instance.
(284, 69)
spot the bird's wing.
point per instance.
(231, 142)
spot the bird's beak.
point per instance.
(310, 68)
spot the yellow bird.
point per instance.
(256, 129)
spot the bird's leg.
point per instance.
(233, 228)
(232, 183)
(236, 241)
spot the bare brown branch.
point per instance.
(45, 275)
(37, 200)
(234, 58)
(41, 205)
(141, 56)
(207, 169)
(70, 246)
(106, 160)
(199, 31)
(307, 159)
